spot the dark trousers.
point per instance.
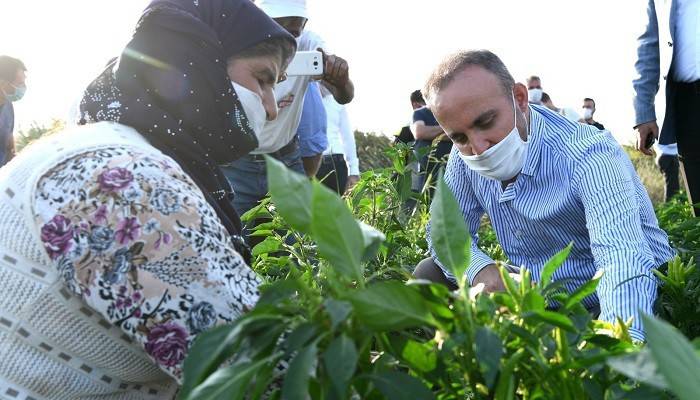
(430, 166)
(685, 102)
(333, 172)
(669, 166)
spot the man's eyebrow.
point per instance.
(484, 117)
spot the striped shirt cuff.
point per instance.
(479, 261)
(637, 334)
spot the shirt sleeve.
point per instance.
(605, 187)
(418, 115)
(457, 180)
(311, 41)
(134, 237)
(647, 69)
(349, 147)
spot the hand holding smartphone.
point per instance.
(306, 63)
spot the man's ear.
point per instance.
(520, 94)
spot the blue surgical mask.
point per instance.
(17, 95)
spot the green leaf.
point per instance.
(552, 318)
(399, 386)
(259, 211)
(296, 382)
(340, 360)
(676, 359)
(533, 301)
(448, 231)
(278, 291)
(553, 264)
(489, 350)
(291, 193)
(639, 366)
(229, 383)
(300, 337)
(391, 306)
(213, 347)
(269, 245)
(403, 185)
(338, 311)
(584, 290)
(511, 287)
(505, 389)
(419, 356)
(338, 235)
(372, 240)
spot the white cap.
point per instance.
(283, 8)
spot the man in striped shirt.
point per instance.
(544, 181)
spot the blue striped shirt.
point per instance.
(577, 185)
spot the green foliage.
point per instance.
(26, 136)
(371, 150)
(648, 173)
(679, 299)
(340, 314)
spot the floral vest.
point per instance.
(52, 346)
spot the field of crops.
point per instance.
(340, 317)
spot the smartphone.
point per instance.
(649, 142)
(306, 63)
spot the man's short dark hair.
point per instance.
(9, 67)
(417, 97)
(534, 78)
(448, 69)
(591, 100)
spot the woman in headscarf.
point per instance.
(118, 243)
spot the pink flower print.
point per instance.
(115, 179)
(128, 230)
(57, 236)
(164, 238)
(167, 344)
(101, 215)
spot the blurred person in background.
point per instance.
(567, 112)
(312, 130)
(588, 110)
(534, 89)
(12, 88)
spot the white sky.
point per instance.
(578, 48)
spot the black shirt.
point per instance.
(405, 136)
(597, 125)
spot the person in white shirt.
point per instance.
(248, 175)
(567, 112)
(340, 167)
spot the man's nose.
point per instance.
(479, 146)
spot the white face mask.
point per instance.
(534, 95)
(587, 113)
(502, 161)
(252, 107)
